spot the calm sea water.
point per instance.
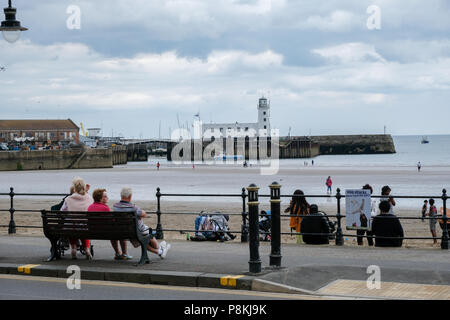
(348, 172)
(409, 151)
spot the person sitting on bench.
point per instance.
(125, 205)
(315, 222)
(387, 228)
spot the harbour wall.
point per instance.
(56, 159)
(311, 146)
(355, 144)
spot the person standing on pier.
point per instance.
(329, 183)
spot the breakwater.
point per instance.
(355, 144)
(289, 147)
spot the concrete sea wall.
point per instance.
(56, 159)
(355, 144)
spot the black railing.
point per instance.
(244, 214)
(249, 228)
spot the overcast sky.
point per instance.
(137, 63)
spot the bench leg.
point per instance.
(144, 255)
(54, 253)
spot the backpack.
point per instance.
(57, 207)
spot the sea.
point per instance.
(398, 170)
(409, 151)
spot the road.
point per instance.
(17, 287)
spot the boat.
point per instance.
(425, 140)
(223, 157)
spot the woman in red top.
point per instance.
(100, 201)
(101, 204)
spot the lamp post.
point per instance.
(11, 28)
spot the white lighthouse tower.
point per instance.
(264, 116)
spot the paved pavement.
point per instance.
(325, 270)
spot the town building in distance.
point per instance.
(40, 132)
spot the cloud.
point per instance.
(337, 21)
(350, 52)
(154, 59)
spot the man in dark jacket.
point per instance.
(387, 225)
(315, 222)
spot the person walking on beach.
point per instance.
(424, 209)
(125, 205)
(329, 183)
(297, 207)
(432, 213)
(157, 166)
(385, 192)
(419, 165)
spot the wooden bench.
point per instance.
(93, 225)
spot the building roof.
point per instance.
(38, 125)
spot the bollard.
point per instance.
(12, 224)
(253, 221)
(444, 242)
(159, 231)
(339, 236)
(275, 204)
(244, 226)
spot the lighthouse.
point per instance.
(264, 116)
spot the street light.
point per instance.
(11, 28)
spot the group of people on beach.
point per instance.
(385, 226)
(80, 200)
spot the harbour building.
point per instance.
(261, 128)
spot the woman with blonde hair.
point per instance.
(80, 200)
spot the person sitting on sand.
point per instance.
(125, 205)
(387, 228)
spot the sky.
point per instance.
(137, 68)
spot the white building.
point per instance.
(225, 130)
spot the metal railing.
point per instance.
(244, 214)
(250, 219)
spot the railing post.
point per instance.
(253, 210)
(275, 204)
(444, 241)
(159, 231)
(244, 227)
(339, 236)
(12, 224)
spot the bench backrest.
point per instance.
(90, 225)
